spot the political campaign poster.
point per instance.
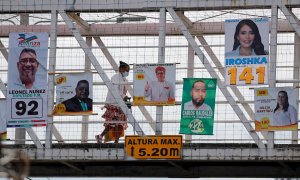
(3, 131)
(74, 94)
(198, 105)
(246, 51)
(276, 109)
(27, 79)
(154, 84)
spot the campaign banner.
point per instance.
(198, 105)
(74, 94)
(276, 109)
(3, 131)
(27, 79)
(154, 84)
(246, 51)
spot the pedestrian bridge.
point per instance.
(94, 36)
(198, 160)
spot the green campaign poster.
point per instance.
(198, 105)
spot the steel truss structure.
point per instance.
(199, 160)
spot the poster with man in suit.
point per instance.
(74, 94)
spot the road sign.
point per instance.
(153, 147)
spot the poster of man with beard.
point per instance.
(198, 103)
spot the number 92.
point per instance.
(22, 107)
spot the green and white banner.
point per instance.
(198, 105)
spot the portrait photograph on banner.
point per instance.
(27, 79)
(74, 94)
(154, 84)
(246, 51)
(276, 109)
(198, 105)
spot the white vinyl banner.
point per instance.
(74, 93)
(3, 131)
(27, 79)
(246, 51)
(154, 84)
(275, 109)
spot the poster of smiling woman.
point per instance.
(198, 105)
(275, 109)
(246, 51)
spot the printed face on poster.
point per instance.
(198, 104)
(27, 79)
(154, 84)
(246, 51)
(74, 93)
(275, 109)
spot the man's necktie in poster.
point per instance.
(246, 51)
(154, 84)
(27, 79)
(275, 109)
(198, 105)
(74, 93)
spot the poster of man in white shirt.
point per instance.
(27, 79)
(154, 84)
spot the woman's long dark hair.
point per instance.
(257, 45)
(285, 106)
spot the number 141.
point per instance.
(246, 75)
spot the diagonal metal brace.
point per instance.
(101, 72)
(221, 84)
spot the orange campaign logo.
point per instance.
(61, 80)
(263, 92)
(265, 122)
(140, 76)
(60, 108)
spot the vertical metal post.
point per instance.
(101, 72)
(296, 76)
(52, 62)
(190, 74)
(85, 119)
(24, 19)
(272, 75)
(20, 133)
(161, 59)
(221, 85)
